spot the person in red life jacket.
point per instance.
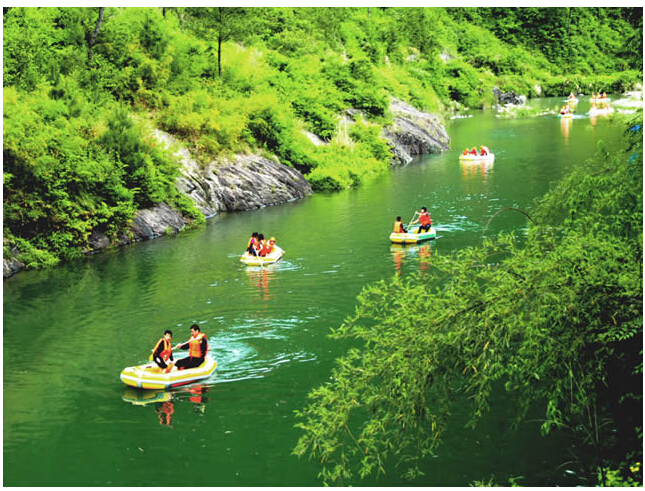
(197, 346)
(162, 352)
(398, 226)
(483, 151)
(424, 219)
(259, 244)
(267, 247)
(473, 151)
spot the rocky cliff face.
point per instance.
(246, 183)
(414, 133)
(251, 181)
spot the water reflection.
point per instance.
(565, 128)
(163, 401)
(164, 411)
(470, 169)
(598, 109)
(403, 252)
(259, 278)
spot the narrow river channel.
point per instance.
(68, 332)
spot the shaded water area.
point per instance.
(68, 332)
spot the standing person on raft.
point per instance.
(197, 347)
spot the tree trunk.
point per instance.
(96, 30)
(219, 56)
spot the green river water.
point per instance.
(67, 332)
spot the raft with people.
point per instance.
(472, 155)
(150, 376)
(572, 99)
(418, 230)
(260, 252)
(599, 98)
(272, 257)
(412, 236)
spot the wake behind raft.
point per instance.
(150, 376)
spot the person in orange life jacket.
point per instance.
(269, 247)
(162, 352)
(398, 226)
(465, 152)
(266, 247)
(197, 346)
(250, 247)
(424, 219)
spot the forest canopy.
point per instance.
(84, 87)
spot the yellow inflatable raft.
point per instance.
(477, 158)
(251, 260)
(149, 376)
(411, 236)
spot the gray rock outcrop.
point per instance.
(414, 132)
(250, 182)
(246, 183)
(508, 97)
(11, 266)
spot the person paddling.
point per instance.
(197, 347)
(424, 220)
(162, 352)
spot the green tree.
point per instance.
(556, 323)
(220, 23)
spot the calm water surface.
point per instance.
(69, 421)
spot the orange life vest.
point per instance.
(425, 219)
(165, 354)
(266, 249)
(194, 346)
(398, 227)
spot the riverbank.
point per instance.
(248, 182)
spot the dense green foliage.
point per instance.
(82, 96)
(557, 323)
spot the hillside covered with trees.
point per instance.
(84, 87)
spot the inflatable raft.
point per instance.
(600, 99)
(477, 158)
(251, 260)
(149, 376)
(412, 237)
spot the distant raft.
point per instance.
(272, 257)
(150, 376)
(477, 158)
(412, 236)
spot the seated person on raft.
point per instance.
(398, 226)
(197, 346)
(250, 247)
(268, 246)
(162, 352)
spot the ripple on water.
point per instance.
(253, 348)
